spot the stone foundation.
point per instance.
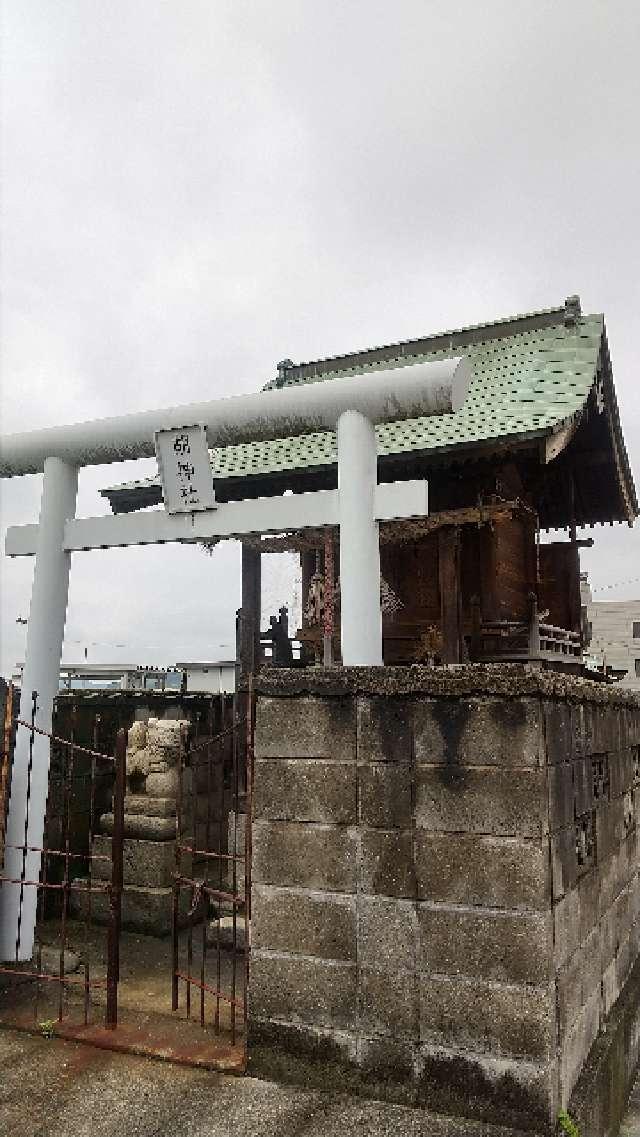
(445, 901)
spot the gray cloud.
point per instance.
(194, 190)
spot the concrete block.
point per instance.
(306, 856)
(150, 806)
(601, 730)
(489, 1018)
(146, 910)
(588, 903)
(385, 793)
(497, 872)
(609, 827)
(385, 730)
(621, 770)
(387, 934)
(505, 946)
(305, 727)
(519, 1093)
(610, 987)
(582, 730)
(564, 861)
(316, 991)
(577, 1044)
(615, 926)
(566, 927)
(224, 933)
(608, 878)
(499, 802)
(316, 1054)
(388, 1003)
(624, 960)
(577, 981)
(319, 924)
(305, 790)
(144, 862)
(164, 785)
(634, 897)
(392, 1064)
(149, 909)
(583, 785)
(560, 729)
(143, 827)
(386, 863)
(478, 732)
(561, 796)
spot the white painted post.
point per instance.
(45, 633)
(361, 617)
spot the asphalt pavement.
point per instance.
(52, 1088)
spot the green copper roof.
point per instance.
(532, 373)
(523, 383)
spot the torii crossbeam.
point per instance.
(352, 406)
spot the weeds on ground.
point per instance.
(566, 1125)
(47, 1028)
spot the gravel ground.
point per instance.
(51, 1088)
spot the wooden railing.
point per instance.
(523, 640)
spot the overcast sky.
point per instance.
(195, 189)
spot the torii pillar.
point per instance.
(30, 773)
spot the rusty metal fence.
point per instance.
(89, 967)
(8, 714)
(212, 882)
(46, 988)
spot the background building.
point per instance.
(216, 677)
(612, 629)
(210, 678)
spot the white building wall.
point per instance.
(210, 677)
(612, 638)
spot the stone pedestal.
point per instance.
(149, 853)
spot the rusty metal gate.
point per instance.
(88, 968)
(212, 883)
(61, 983)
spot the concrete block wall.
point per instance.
(594, 811)
(427, 899)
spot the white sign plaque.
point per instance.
(185, 469)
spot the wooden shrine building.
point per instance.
(537, 447)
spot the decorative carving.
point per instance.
(152, 748)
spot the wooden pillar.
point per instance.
(487, 571)
(251, 611)
(450, 595)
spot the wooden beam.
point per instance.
(250, 611)
(397, 532)
(487, 569)
(555, 443)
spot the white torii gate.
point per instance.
(352, 406)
